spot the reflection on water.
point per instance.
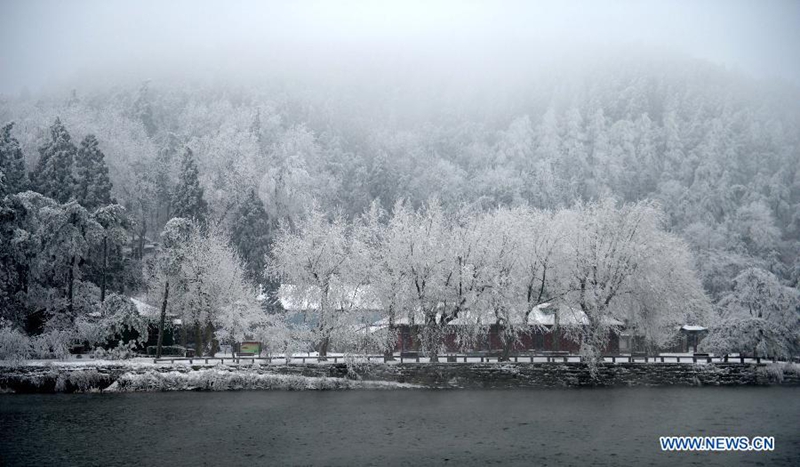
(512, 427)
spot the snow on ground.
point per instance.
(84, 362)
(219, 379)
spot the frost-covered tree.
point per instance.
(93, 187)
(313, 261)
(49, 261)
(20, 251)
(759, 316)
(165, 172)
(53, 175)
(12, 163)
(119, 327)
(251, 232)
(68, 234)
(573, 165)
(505, 272)
(529, 265)
(143, 110)
(289, 185)
(422, 238)
(468, 274)
(116, 225)
(167, 268)
(213, 295)
(204, 285)
(188, 201)
(621, 266)
(373, 254)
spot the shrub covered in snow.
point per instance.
(14, 345)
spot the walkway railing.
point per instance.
(476, 357)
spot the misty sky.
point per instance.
(49, 42)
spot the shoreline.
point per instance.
(126, 376)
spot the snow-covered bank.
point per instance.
(228, 379)
(128, 376)
(131, 376)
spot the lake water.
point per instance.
(415, 427)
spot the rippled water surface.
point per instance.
(463, 427)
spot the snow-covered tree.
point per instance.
(93, 187)
(200, 279)
(213, 295)
(165, 174)
(20, 254)
(53, 174)
(143, 109)
(530, 264)
(251, 233)
(760, 316)
(373, 254)
(68, 234)
(119, 326)
(621, 266)
(505, 272)
(188, 201)
(313, 261)
(116, 225)
(167, 268)
(422, 241)
(12, 163)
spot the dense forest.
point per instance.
(715, 153)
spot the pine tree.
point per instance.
(250, 236)
(164, 178)
(12, 162)
(188, 201)
(116, 224)
(93, 187)
(53, 175)
(144, 111)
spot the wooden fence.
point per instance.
(554, 357)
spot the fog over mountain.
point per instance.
(50, 42)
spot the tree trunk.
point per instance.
(162, 319)
(391, 340)
(507, 343)
(198, 340)
(433, 346)
(142, 235)
(556, 332)
(105, 267)
(432, 339)
(323, 347)
(70, 289)
(213, 347)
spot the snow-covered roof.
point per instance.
(296, 298)
(540, 315)
(689, 327)
(398, 321)
(149, 311)
(567, 316)
(144, 309)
